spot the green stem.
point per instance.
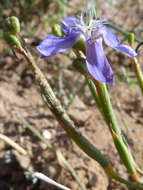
(107, 112)
(93, 90)
(101, 96)
(138, 72)
(135, 64)
(125, 155)
(107, 107)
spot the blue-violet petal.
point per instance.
(112, 41)
(52, 45)
(97, 62)
(71, 25)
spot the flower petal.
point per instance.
(97, 62)
(112, 41)
(52, 45)
(71, 25)
(127, 50)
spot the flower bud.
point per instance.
(12, 40)
(56, 29)
(80, 65)
(80, 45)
(13, 25)
(131, 38)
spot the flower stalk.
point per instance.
(80, 66)
(135, 64)
(138, 72)
(109, 116)
(101, 96)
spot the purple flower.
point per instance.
(93, 31)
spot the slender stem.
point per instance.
(35, 132)
(93, 90)
(107, 107)
(138, 72)
(125, 155)
(106, 110)
(94, 93)
(101, 96)
(134, 61)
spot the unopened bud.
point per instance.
(12, 40)
(13, 25)
(131, 38)
(57, 31)
(80, 45)
(80, 65)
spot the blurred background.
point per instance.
(21, 103)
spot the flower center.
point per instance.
(93, 31)
(91, 26)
